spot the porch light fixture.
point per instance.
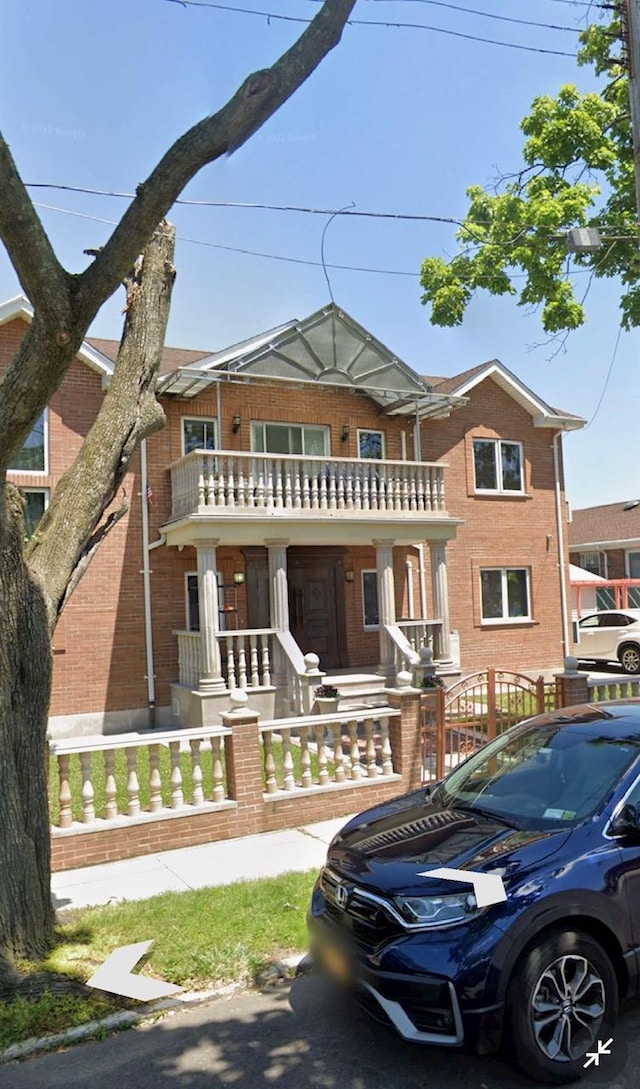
(348, 575)
(235, 424)
(238, 577)
(346, 431)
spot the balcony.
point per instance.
(264, 488)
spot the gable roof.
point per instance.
(542, 414)
(330, 348)
(171, 357)
(607, 526)
(19, 307)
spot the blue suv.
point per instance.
(552, 807)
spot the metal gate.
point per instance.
(476, 709)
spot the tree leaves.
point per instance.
(577, 170)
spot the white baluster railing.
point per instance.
(102, 779)
(204, 481)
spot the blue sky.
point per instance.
(395, 120)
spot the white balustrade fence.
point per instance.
(245, 657)
(103, 778)
(204, 481)
(345, 747)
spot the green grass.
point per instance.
(204, 938)
(143, 771)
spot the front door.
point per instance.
(316, 600)
(313, 613)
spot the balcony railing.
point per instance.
(253, 484)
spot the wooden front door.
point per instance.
(316, 600)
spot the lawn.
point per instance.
(201, 939)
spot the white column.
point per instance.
(279, 611)
(278, 584)
(386, 606)
(440, 590)
(212, 679)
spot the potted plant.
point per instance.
(327, 698)
(430, 680)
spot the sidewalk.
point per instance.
(264, 855)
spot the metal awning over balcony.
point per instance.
(241, 498)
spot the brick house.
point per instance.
(311, 494)
(605, 541)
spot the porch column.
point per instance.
(212, 679)
(440, 590)
(386, 607)
(278, 584)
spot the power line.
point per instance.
(275, 256)
(606, 381)
(484, 14)
(258, 206)
(387, 23)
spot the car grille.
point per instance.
(368, 923)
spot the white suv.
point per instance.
(612, 635)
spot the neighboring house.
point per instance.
(584, 591)
(310, 493)
(605, 540)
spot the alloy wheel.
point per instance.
(567, 1008)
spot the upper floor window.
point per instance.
(505, 593)
(198, 434)
(497, 465)
(371, 445)
(32, 456)
(275, 438)
(633, 565)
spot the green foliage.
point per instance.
(577, 170)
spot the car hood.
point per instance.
(388, 848)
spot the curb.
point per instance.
(129, 1018)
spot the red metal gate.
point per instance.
(476, 709)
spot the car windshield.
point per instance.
(538, 775)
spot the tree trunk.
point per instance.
(26, 915)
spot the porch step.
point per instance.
(358, 690)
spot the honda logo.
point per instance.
(342, 896)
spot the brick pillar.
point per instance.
(571, 684)
(405, 732)
(243, 755)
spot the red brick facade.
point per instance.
(100, 663)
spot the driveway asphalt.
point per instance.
(308, 1035)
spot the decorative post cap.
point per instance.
(571, 666)
(426, 656)
(311, 662)
(404, 679)
(238, 699)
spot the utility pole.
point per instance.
(631, 39)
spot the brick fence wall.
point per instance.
(249, 810)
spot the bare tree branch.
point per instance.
(42, 276)
(261, 94)
(64, 538)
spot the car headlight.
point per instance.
(438, 910)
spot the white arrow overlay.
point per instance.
(488, 887)
(115, 975)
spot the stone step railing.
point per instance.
(340, 748)
(105, 778)
(250, 484)
(245, 656)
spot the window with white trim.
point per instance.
(198, 434)
(192, 601)
(370, 610)
(32, 455)
(278, 438)
(370, 445)
(36, 501)
(505, 594)
(497, 466)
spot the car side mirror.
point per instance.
(627, 823)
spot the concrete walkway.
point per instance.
(221, 863)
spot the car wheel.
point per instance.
(562, 999)
(629, 656)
